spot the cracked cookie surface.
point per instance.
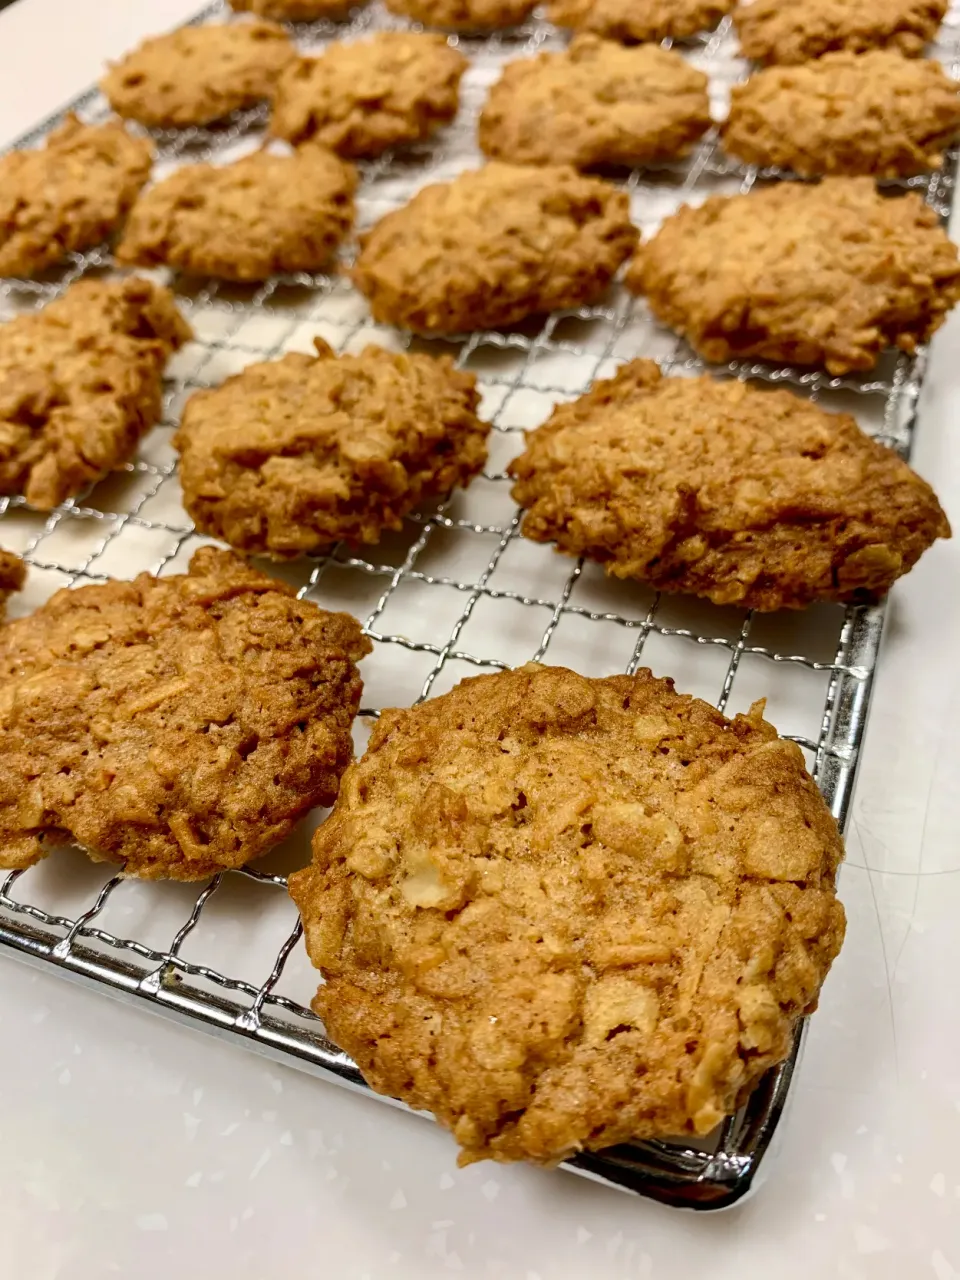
(826, 274)
(494, 246)
(875, 113)
(748, 497)
(68, 195)
(596, 103)
(362, 98)
(563, 913)
(80, 383)
(258, 217)
(177, 725)
(293, 455)
(783, 31)
(196, 75)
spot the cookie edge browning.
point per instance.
(640, 377)
(412, 314)
(717, 347)
(233, 577)
(181, 257)
(422, 122)
(421, 11)
(179, 118)
(13, 574)
(777, 150)
(330, 836)
(46, 485)
(575, 15)
(490, 126)
(204, 513)
(130, 182)
(798, 49)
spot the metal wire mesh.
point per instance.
(458, 592)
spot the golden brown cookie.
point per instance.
(293, 455)
(296, 10)
(792, 31)
(717, 489)
(563, 913)
(196, 75)
(595, 103)
(255, 218)
(80, 382)
(362, 98)
(875, 113)
(464, 15)
(636, 21)
(69, 195)
(13, 574)
(828, 274)
(176, 725)
(494, 246)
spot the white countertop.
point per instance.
(133, 1147)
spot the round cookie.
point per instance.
(297, 10)
(785, 31)
(293, 455)
(875, 113)
(364, 97)
(636, 21)
(260, 216)
(596, 103)
(80, 383)
(69, 195)
(752, 498)
(564, 913)
(196, 75)
(177, 725)
(464, 15)
(494, 246)
(826, 274)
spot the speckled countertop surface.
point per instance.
(132, 1147)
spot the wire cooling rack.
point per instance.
(456, 593)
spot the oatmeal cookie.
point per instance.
(80, 382)
(788, 31)
(636, 21)
(563, 913)
(176, 725)
(13, 574)
(255, 218)
(596, 103)
(196, 75)
(828, 274)
(875, 113)
(494, 246)
(717, 489)
(68, 195)
(362, 98)
(297, 10)
(464, 15)
(292, 455)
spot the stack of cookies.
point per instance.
(559, 912)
